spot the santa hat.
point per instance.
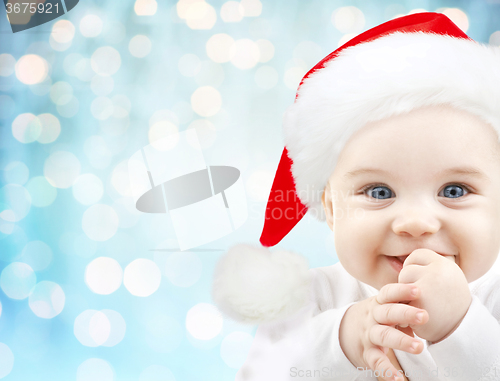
(413, 61)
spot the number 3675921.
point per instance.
(32, 8)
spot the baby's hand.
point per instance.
(368, 328)
(444, 294)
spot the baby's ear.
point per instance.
(326, 200)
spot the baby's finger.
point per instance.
(397, 292)
(385, 336)
(378, 361)
(399, 314)
(406, 330)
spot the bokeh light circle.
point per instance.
(231, 11)
(6, 360)
(91, 328)
(51, 128)
(16, 172)
(47, 299)
(120, 179)
(200, 15)
(293, 76)
(251, 8)
(163, 135)
(88, 189)
(17, 280)
(91, 26)
(234, 348)
(345, 38)
(204, 321)
(244, 54)
(31, 69)
(7, 64)
(142, 277)
(102, 108)
(16, 202)
(103, 275)
(61, 93)
(61, 169)
(118, 328)
(259, 183)
(84, 68)
(26, 128)
(493, 40)
(106, 61)
(218, 47)
(266, 50)
(145, 7)
(348, 19)
(95, 369)
(183, 269)
(37, 254)
(140, 46)
(99, 328)
(41, 191)
(63, 31)
(458, 17)
(206, 101)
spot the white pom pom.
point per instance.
(254, 285)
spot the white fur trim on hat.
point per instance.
(254, 285)
(391, 75)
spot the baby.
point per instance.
(397, 131)
(429, 195)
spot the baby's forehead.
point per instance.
(389, 148)
(443, 124)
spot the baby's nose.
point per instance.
(416, 223)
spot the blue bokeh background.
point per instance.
(108, 72)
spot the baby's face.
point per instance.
(428, 179)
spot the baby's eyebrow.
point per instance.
(468, 171)
(362, 171)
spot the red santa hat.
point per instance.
(413, 61)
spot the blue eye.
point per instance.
(454, 191)
(379, 192)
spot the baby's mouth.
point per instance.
(402, 258)
(454, 258)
